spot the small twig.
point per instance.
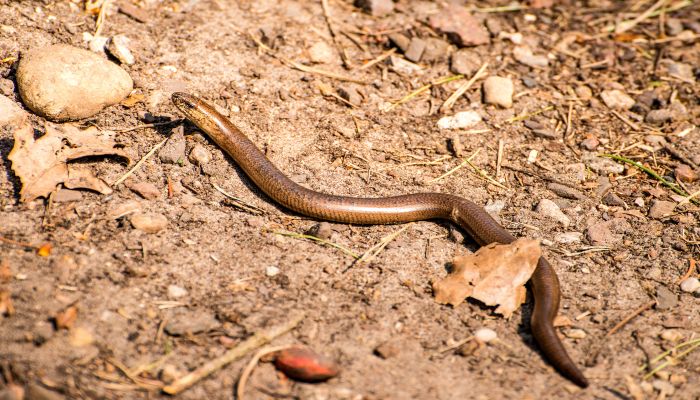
(463, 89)
(626, 120)
(101, 17)
(255, 341)
(486, 176)
(453, 170)
(239, 202)
(140, 163)
(240, 387)
(689, 272)
(526, 116)
(624, 26)
(319, 240)
(379, 59)
(373, 251)
(630, 317)
(334, 35)
(153, 125)
(499, 157)
(423, 89)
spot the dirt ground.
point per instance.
(151, 307)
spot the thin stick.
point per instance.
(257, 340)
(373, 251)
(101, 17)
(317, 239)
(629, 24)
(239, 202)
(484, 175)
(334, 35)
(463, 89)
(379, 59)
(140, 163)
(499, 157)
(423, 89)
(240, 387)
(17, 243)
(526, 116)
(689, 272)
(630, 317)
(625, 120)
(153, 125)
(453, 170)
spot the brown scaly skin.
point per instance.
(399, 209)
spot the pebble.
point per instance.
(199, 155)
(498, 91)
(173, 151)
(608, 233)
(126, 208)
(566, 191)
(611, 199)
(402, 66)
(149, 222)
(575, 333)
(658, 117)
(671, 335)
(465, 62)
(550, 209)
(350, 94)
(7, 87)
(660, 209)
(47, 79)
(665, 299)
(176, 292)
(523, 55)
(10, 113)
(435, 50)
(400, 40)
(495, 207)
(321, 230)
(529, 82)
(590, 143)
(97, 44)
(119, 47)
(271, 271)
(485, 335)
(192, 322)
(146, 190)
(321, 53)
(674, 26)
(389, 349)
(617, 99)
(460, 26)
(376, 8)
(415, 49)
(583, 92)
(568, 237)
(602, 165)
(81, 337)
(461, 120)
(690, 285)
(67, 195)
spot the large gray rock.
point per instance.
(64, 83)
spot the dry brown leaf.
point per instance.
(42, 164)
(495, 275)
(66, 318)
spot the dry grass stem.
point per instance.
(319, 240)
(377, 60)
(447, 105)
(373, 251)
(239, 202)
(630, 317)
(140, 163)
(455, 169)
(240, 387)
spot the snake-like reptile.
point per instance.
(387, 210)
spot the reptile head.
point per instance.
(197, 111)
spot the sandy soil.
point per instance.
(241, 277)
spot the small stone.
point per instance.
(530, 82)
(576, 172)
(671, 335)
(173, 151)
(192, 322)
(461, 120)
(568, 237)
(435, 50)
(126, 208)
(465, 62)
(415, 49)
(149, 222)
(62, 83)
(603, 165)
(388, 349)
(375, 7)
(611, 199)
(321, 230)
(575, 333)
(639, 202)
(350, 94)
(677, 379)
(665, 299)
(685, 174)
(664, 387)
(81, 337)
(170, 373)
(67, 195)
(660, 209)
(7, 87)
(98, 44)
(674, 26)
(176, 292)
(146, 190)
(590, 143)
(460, 26)
(494, 207)
(485, 335)
(498, 91)
(200, 155)
(658, 117)
(119, 47)
(523, 55)
(494, 26)
(690, 285)
(271, 271)
(402, 66)
(136, 13)
(566, 191)
(583, 92)
(608, 233)
(321, 53)
(400, 40)
(550, 209)
(617, 99)
(679, 69)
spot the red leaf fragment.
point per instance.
(303, 364)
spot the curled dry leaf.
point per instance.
(304, 364)
(66, 318)
(495, 275)
(41, 164)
